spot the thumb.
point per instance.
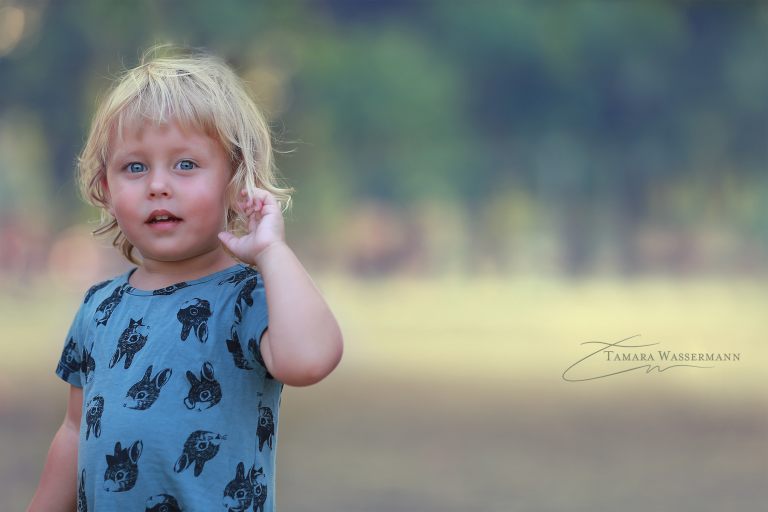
(228, 239)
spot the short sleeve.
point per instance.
(253, 330)
(254, 321)
(70, 364)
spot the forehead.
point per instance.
(137, 133)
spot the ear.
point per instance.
(202, 332)
(207, 371)
(182, 463)
(136, 449)
(163, 377)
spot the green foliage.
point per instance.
(593, 106)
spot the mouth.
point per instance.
(162, 217)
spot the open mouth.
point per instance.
(162, 217)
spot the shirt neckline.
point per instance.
(238, 267)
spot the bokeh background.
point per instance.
(481, 188)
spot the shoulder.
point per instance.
(105, 288)
(239, 276)
(104, 296)
(243, 282)
(95, 288)
(245, 286)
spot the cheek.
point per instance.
(119, 210)
(215, 204)
(125, 212)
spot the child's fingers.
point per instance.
(246, 204)
(266, 201)
(227, 239)
(258, 201)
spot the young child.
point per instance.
(176, 367)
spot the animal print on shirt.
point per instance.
(132, 340)
(108, 305)
(87, 365)
(241, 491)
(123, 467)
(168, 290)
(205, 391)
(234, 348)
(259, 489)
(155, 424)
(162, 503)
(200, 447)
(255, 350)
(93, 289)
(245, 297)
(194, 317)
(266, 429)
(94, 410)
(239, 276)
(82, 502)
(69, 362)
(143, 394)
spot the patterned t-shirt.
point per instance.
(179, 411)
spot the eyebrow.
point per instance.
(139, 154)
(125, 156)
(116, 158)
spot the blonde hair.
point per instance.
(197, 90)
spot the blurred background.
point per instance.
(481, 188)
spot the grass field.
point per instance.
(451, 397)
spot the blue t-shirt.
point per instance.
(179, 410)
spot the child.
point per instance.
(176, 367)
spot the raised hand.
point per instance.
(265, 226)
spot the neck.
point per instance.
(155, 274)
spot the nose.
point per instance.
(159, 185)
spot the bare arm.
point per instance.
(304, 341)
(58, 484)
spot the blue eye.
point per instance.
(187, 165)
(136, 167)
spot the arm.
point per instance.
(303, 343)
(58, 483)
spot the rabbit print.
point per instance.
(132, 340)
(82, 502)
(243, 491)
(87, 365)
(194, 317)
(266, 429)
(200, 447)
(143, 394)
(94, 410)
(108, 305)
(205, 391)
(122, 468)
(162, 503)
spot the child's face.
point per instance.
(167, 189)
